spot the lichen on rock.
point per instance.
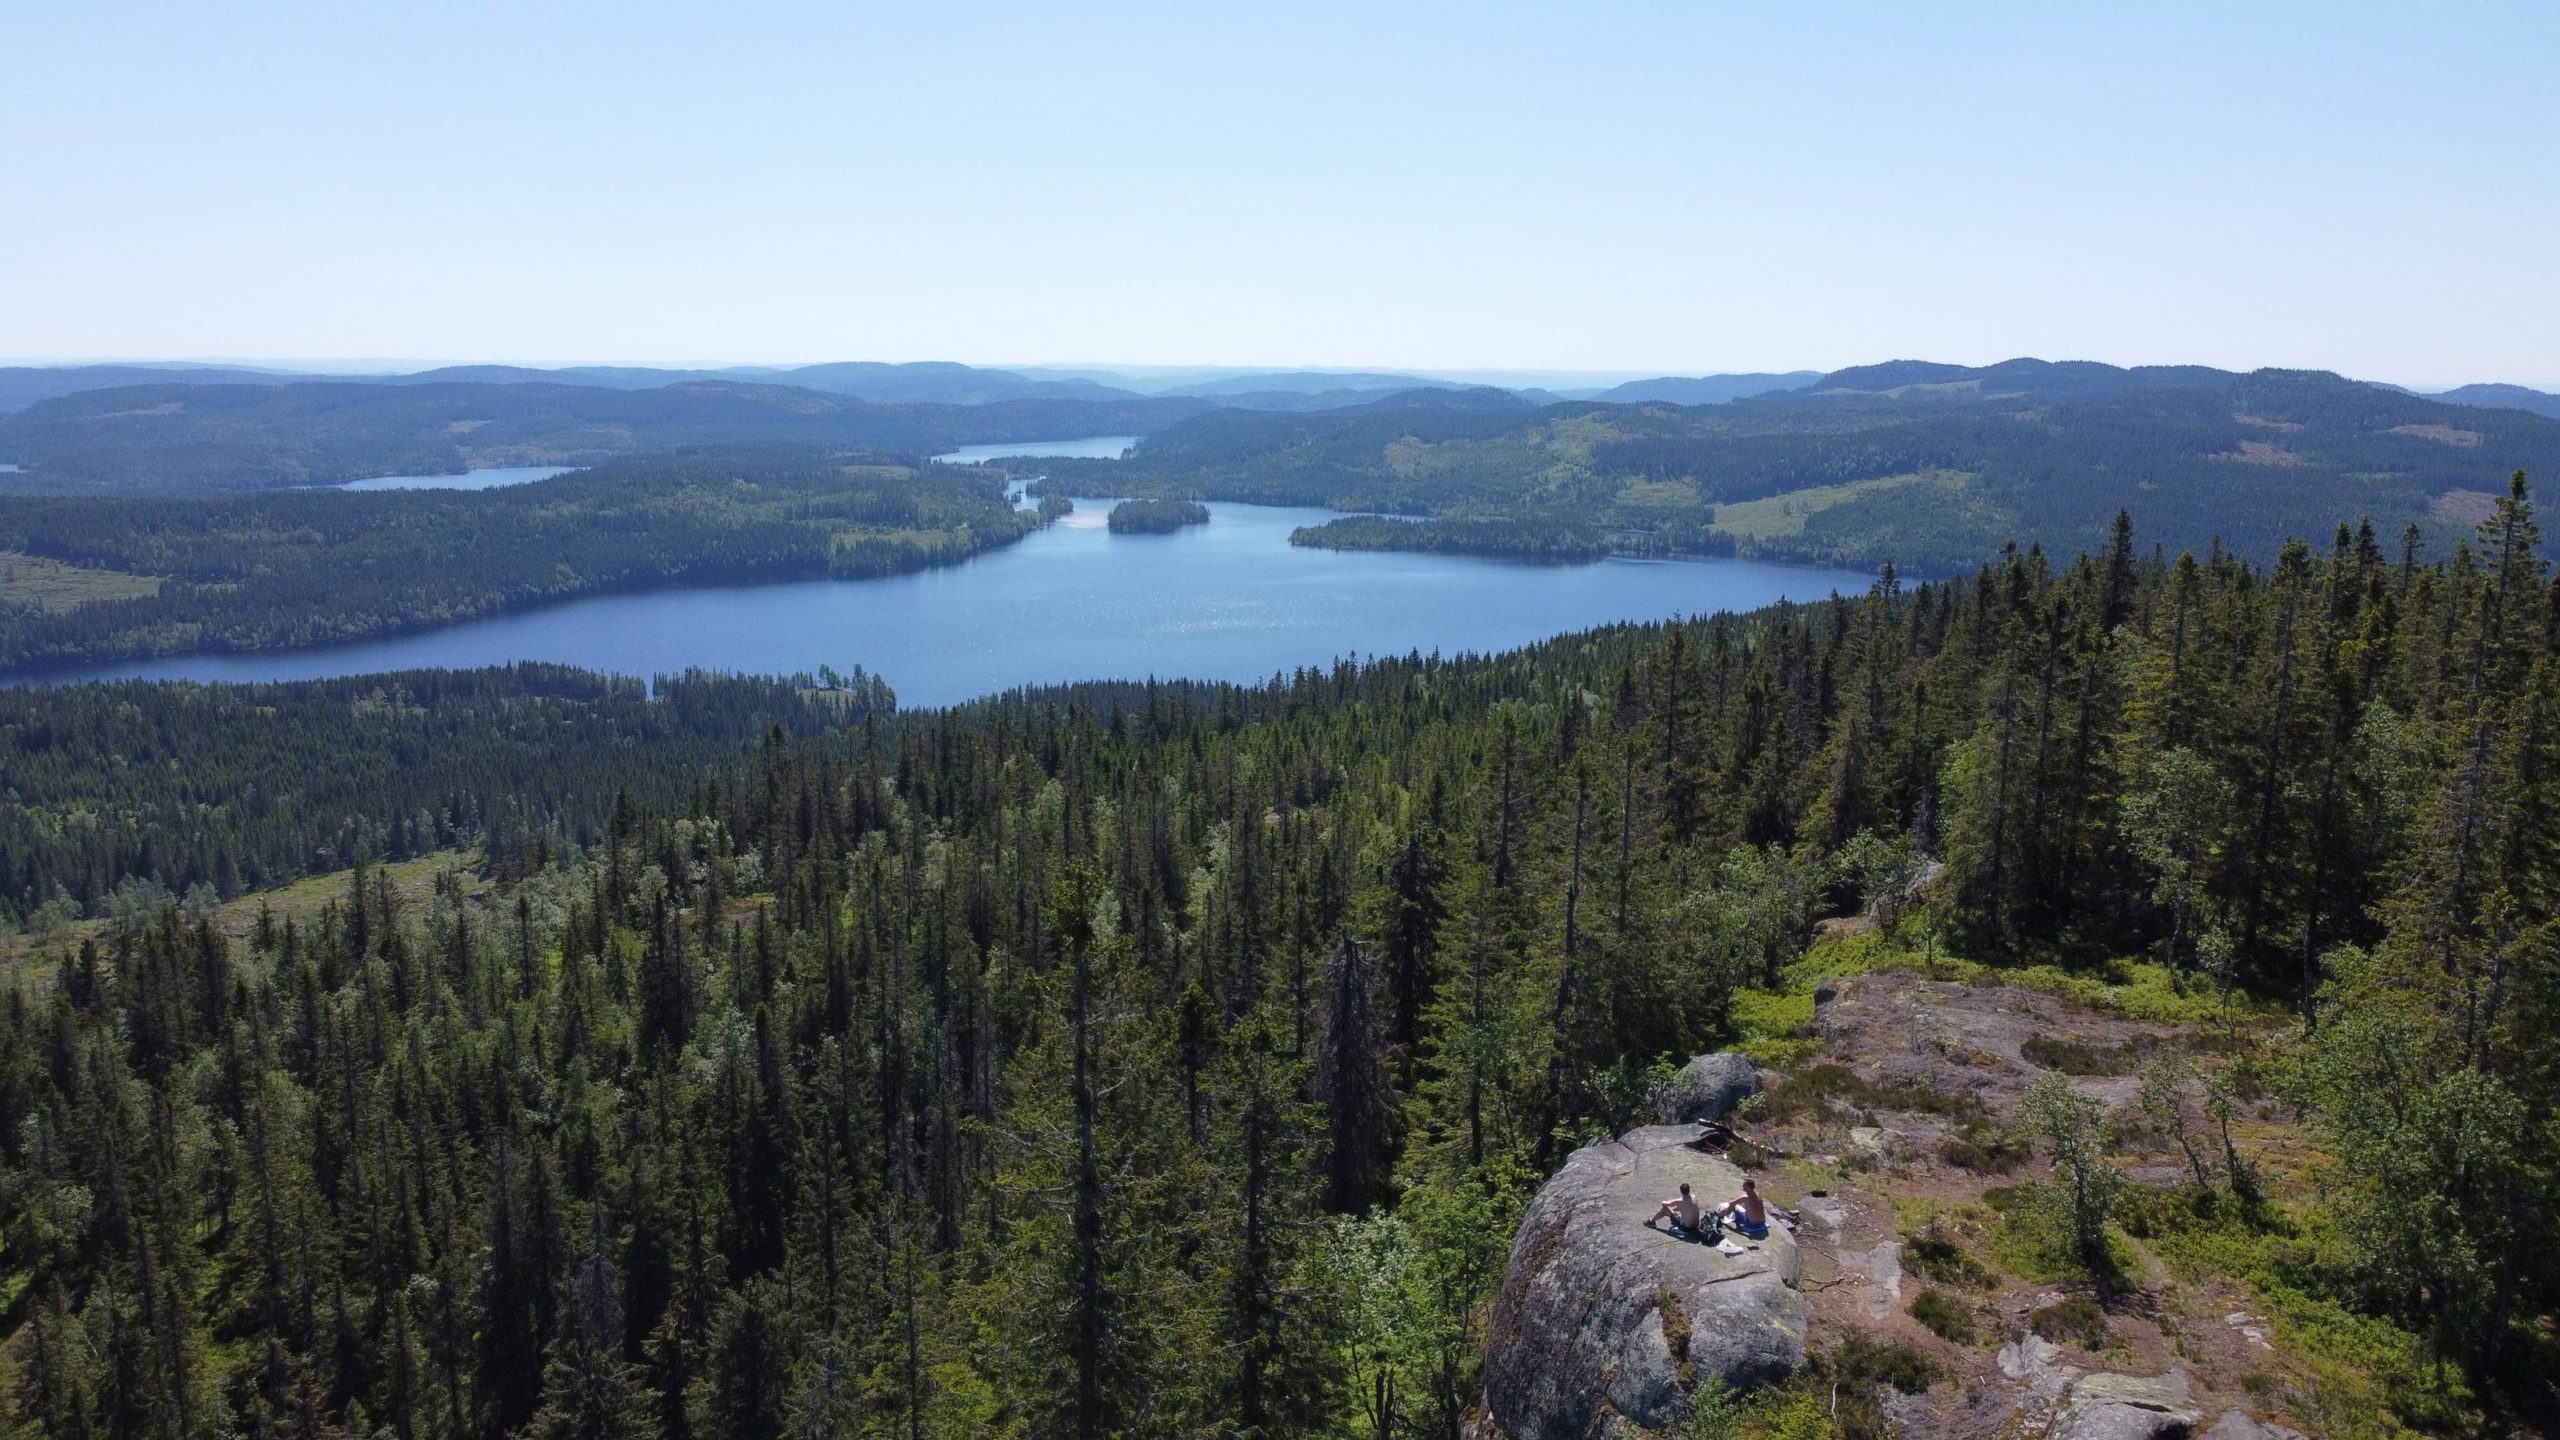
(2127, 1407)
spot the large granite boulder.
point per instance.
(1602, 1320)
(1706, 1088)
(2127, 1407)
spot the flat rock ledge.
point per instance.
(1603, 1327)
(2241, 1425)
(2127, 1407)
(2071, 1405)
(1706, 1088)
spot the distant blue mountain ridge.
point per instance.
(953, 383)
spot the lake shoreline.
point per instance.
(78, 672)
(1063, 603)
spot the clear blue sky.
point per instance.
(1666, 187)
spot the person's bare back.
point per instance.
(1682, 1211)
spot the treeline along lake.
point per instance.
(1229, 600)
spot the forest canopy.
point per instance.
(1156, 517)
(301, 567)
(1173, 1059)
(181, 439)
(1932, 469)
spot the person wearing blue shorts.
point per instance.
(1746, 1211)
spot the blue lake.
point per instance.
(1229, 600)
(490, 479)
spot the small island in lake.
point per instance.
(1562, 541)
(1156, 517)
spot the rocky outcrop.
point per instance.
(2065, 1404)
(1706, 1088)
(2126, 1407)
(1602, 1321)
(2241, 1425)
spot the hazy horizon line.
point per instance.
(1528, 376)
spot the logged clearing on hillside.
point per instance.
(53, 586)
(1783, 515)
(410, 881)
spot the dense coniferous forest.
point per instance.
(1932, 467)
(231, 788)
(1172, 1060)
(199, 439)
(1488, 535)
(306, 567)
(1156, 517)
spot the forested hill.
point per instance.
(2021, 379)
(1174, 1060)
(148, 790)
(933, 381)
(2503, 397)
(309, 567)
(1932, 467)
(177, 439)
(1704, 389)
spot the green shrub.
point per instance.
(1832, 1088)
(2071, 1057)
(1715, 1413)
(1777, 1026)
(2358, 1369)
(1906, 1368)
(1944, 1316)
(2036, 1242)
(1797, 1410)
(1982, 1148)
(2148, 1213)
(1934, 1254)
(2070, 1125)
(2076, 1321)
(1675, 1332)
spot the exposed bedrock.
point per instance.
(1603, 1321)
(1706, 1088)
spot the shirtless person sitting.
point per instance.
(1748, 1213)
(1683, 1213)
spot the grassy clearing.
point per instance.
(302, 901)
(2365, 1376)
(2197, 1255)
(2132, 989)
(1833, 1091)
(1781, 516)
(53, 586)
(1658, 495)
(1932, 1253)
(413, 881)
(1776, 1027)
